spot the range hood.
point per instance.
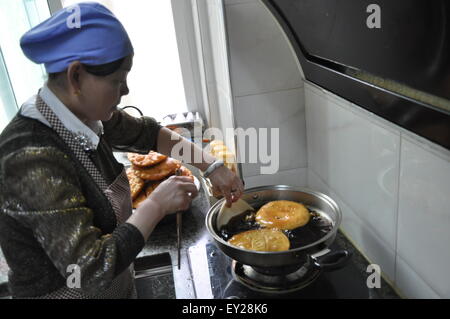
(389, 57)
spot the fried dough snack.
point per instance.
(264, 239)
(283, 214)
(145, 193)
(151, 187)
(218, 148)
(186, 172)
(159, 171)
(150, 159)
(215, 143)
(138, 201)
(220, 151)
(150, 170)
(136, 183)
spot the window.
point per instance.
(155, 82)
(19, 78)
(8, 105)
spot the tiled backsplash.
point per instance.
(392, 186)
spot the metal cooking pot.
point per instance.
(285, 260)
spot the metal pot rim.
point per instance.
(213, 210)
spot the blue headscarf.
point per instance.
(86, 32)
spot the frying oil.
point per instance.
(317, 227)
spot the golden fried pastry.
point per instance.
(282, 214)
(158, 171)
(225, 156)
(215, 143)
(146, 160)
(186, 172)
(136, 183)
(217, 194)
(139, 199)
(151, 187)
(264, 239)
(218, 149)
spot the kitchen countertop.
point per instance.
(194, 233)
(164, 239)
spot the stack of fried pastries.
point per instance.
(147, 171)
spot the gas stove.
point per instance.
(217, 276)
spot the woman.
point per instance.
(64, 198)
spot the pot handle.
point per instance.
(333, 261)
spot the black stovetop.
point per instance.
(349, 282)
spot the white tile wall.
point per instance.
(293, 177)
(392, 186)
(363, 235)
(356, 158)
(424, 217)
(283, 110)
(261, 59)
(412, 284)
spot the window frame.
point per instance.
(191, 57)
(54, 5)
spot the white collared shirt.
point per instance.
(92, 130)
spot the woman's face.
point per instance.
(100, 95)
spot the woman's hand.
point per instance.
(174, 194)
(227, 183)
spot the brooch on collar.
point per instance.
(84, 141)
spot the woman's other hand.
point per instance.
(174, 194)
(227, 183)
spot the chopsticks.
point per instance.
(179, 220)
(179, 238)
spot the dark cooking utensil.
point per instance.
(179, 221)
(227, 213)
(304, 255)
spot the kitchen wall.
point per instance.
(267, 89)
(392, 186)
